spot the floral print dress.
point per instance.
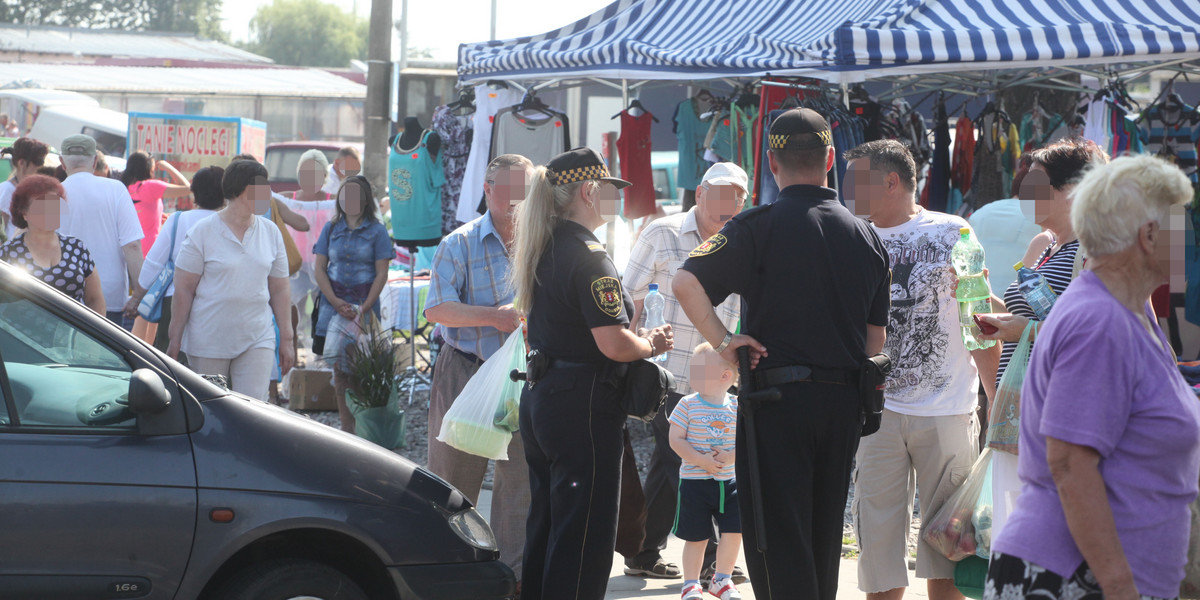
(1012, 578)
(456, 147)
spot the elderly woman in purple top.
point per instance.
(1110, 432)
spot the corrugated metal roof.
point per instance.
(107, 42)
(308, 83)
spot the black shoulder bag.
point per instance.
(645, 389)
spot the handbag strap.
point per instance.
(174, 228)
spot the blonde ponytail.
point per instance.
(537, 217)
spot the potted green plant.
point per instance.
(369, 366)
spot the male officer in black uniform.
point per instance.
(815, 282)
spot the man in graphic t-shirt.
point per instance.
(929, 423)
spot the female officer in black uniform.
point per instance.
(571, 416)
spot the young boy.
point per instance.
(703, 434)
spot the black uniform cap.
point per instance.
(800, 129)
(581, 164)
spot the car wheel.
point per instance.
(290, 580)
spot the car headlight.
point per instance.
(473, 529)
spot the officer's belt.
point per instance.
(798, 373)
(556, 363)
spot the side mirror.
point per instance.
(147, 394)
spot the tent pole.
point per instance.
(611, 241)
(846, 96)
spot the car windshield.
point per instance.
(109, 144)
(281, 163)
(48, 339)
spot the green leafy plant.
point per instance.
(369, 365)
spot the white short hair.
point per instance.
(1113, 201)
(314, 155)
(74, 162)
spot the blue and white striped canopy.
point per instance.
(910, 36)
(840, 40)
(667, 39)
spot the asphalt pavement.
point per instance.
(621, 586)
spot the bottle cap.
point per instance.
(964, 230)
(654, 287)
(1018, 266)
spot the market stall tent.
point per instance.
(667, 40)
(903, 37)
(840, 40)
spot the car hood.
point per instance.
(251, 445)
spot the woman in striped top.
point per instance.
(1051, 179)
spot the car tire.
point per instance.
(287, 579)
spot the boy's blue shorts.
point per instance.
(700, 502)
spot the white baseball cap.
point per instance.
(727, 173)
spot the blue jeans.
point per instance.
(118, 317)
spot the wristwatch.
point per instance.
(725, 342)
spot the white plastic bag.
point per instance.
(343, 332)
(471, 423)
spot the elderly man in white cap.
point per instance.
(101, 214)
(658, 253)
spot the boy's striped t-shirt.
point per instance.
(708, 427)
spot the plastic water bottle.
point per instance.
(974, 295)
(654, 305)
(1036, 290)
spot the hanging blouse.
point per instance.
(415, 183)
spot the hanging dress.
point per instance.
(633, 150)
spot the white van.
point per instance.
(108, 127)
(23, 105)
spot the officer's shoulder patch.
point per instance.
(595, 247)
(710, 246)
(606, 291)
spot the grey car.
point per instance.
(125, 475)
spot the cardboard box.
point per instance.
(311, 389)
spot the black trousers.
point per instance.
(631, 514)
(571, 422)
(807, 442)
(662, 489)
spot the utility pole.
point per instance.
(379, 55)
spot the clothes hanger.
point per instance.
(636, 104)
(465, 100)
(746, 98)
(532, 103)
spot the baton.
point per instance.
(748, 399)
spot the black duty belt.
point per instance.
(556, 363)
(797, 373)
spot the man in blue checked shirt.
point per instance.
(470, 296)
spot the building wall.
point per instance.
(287, 119)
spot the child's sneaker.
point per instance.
(724, 589)
(692, 592)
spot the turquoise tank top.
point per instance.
(415, 180)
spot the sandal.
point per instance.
(659, 569)
(692, 592)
